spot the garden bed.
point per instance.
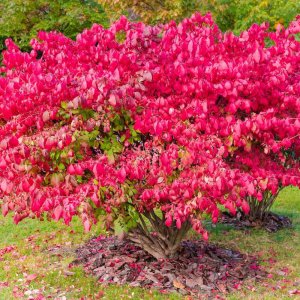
(271, 223)
(201, 269)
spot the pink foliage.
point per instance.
(210, 118)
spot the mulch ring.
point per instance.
(271, 223)
(201, 269)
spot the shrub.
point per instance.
(149, 129)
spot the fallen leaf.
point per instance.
(178, 284)
(3, 284)
(68, 273)
(31, 277)
(281, 273)
(294, 292)
(99, 295)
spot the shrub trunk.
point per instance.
(156, 238)
(259, 209)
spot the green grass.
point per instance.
(33, 239)
(283, 247)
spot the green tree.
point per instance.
(274, 12)
(151, 11)
(21, 19)
(236, 15)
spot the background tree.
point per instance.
(151, 11)
(233, 15)
(22, 19)
(254, 11)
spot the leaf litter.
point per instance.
(201, 269)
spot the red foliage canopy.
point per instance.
(181, 118)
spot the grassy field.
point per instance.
(38, 262)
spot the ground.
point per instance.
(34, 259)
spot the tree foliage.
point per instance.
(22, 19)
(135, 123)
(239, 15)
(236, 15)
(151, 11)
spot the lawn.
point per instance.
(38, 262)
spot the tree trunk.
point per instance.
(160, 241)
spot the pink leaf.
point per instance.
(31, 277)
(58, 213)
(87, 225)
(256, 56)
